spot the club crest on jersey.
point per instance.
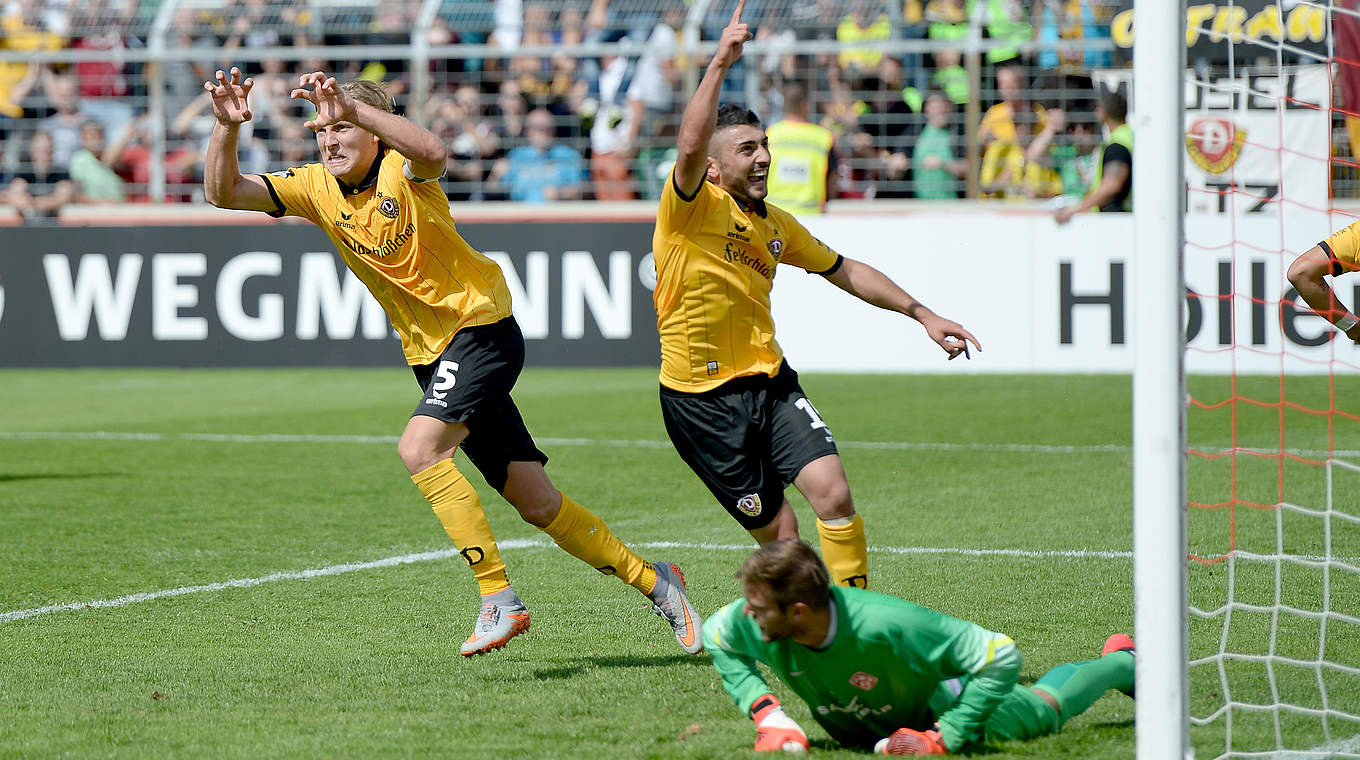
(388, 207)
(776, 246)
(864, 681)
(749, 504)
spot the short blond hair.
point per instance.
(370, 92)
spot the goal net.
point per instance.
(1273, 407)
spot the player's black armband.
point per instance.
(834, 267)
(1337, 269)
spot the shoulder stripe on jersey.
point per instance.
(686, 198)
(839, 260)
(1337, 269)
(280, 210)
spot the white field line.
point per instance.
(531, 543)
(1030, 448)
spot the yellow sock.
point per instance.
(458, 508)
(844, 550)
(585, 536)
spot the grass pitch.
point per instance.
(192, 506)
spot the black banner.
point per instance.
(279, 295)
(1257, 28)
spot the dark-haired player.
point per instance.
(375, 195)
(732, 405)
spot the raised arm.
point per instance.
(696, 126)
(223, 184)
(1307, 275)
(424, 152)
(873, 287)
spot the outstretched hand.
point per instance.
(332, 103)
(733, 38)
(950, 336)
(229, 97)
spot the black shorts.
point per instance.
(747, 440)
(470, 382)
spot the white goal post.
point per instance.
(1159, 484)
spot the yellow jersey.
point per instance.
(715, 265)
(398, 237)
(1343, 248)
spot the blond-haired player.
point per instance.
(732, 406)
(374, 194)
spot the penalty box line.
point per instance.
(522, 543)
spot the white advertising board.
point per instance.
(1048, 298)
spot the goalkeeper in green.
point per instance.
(882, 672)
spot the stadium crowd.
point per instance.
(531, 127)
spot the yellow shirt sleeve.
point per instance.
(292, 190)
(803, 250)
(675, 212)
(1344, 246)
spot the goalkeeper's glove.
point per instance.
(774, 729)
(905, 741)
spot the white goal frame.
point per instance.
(1162, 721)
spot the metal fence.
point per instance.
(118, 84)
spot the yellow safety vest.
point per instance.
(849, 30)
(799, 160)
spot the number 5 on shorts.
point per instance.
(445, 378)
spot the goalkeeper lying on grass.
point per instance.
(879, 671)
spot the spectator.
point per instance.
(867, 22)
(40, 189)
(1069, 20)
(543, 170)
(1006, 20)
(1005, 132)
(613, 132)
(802, 157)
(935, 169)
(1112, 185)
(511, 108)
(471, 138)
(95, 181)
(64, 125)
(20, 31)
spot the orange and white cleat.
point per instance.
(496, 625)
(670, 602)
(1118, 642)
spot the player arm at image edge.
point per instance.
(1307, 274)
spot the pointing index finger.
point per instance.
(736, 14)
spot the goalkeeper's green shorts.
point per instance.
(1022, 715)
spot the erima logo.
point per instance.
(749, 504)
(345, 216)
(437, 394)
(739, 227)
(437, 402)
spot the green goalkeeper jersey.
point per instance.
(890, 664)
